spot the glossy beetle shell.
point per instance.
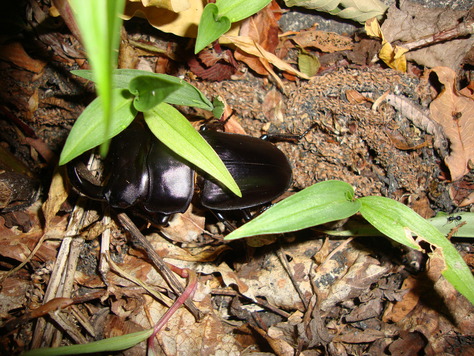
(260, 169)
(144, 174)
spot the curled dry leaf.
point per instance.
(248, 45)
(455, 113)
(328, 42)
(213, 65)
(407, 21)
(262, 28)
(172, 5)
(183, 23)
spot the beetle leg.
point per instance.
(75, 171)
(222, 219)
(287, 137)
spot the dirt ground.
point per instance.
(308, 292)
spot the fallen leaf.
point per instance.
(184, 23)
(408, 343)
(248, 45)
(354, 97)
(328, 42)
(262, 28)
(15, 53)
(213, 65)
(393, 57)
(455, 113)
(409, 21)
(172, 5)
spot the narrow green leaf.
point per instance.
(315, 205)
(390, 219)
(106, 345)
(176, 132)
(149, 91)
(211, 27)
(186, 95)
(99, 24)
(90, 130)
(398, 222)
(237, 10)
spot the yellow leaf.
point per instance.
(372, 28)
(172, 5)
(393, 57)
(180, 23)
(249, 46)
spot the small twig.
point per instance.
(259, 301)
(336, 250)
(124, 274)
(463, 29)
(161, 265)
(282, 257)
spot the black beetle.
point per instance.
(141, 172)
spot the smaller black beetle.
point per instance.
(142, 173)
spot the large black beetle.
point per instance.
(141, 172)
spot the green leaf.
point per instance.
(399, 222)
(107, 345)
(99, 24)
(176, 132)
(464, 226)
(315, 205)
(90, 130)
(219, 107)
(237, 10)
(149, 91)
(308, 63)
(211, 27)
(186, 95)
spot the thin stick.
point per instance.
(161, 265)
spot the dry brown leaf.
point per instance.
(365, 271)
(263, 28)
(354, 97)
(455, 113)
(468, 201)
(397, 311)
(56, 197)
(248, 45)
(328, 42)
(409, 21)
(186, 227)
(172, 5)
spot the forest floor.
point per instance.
(405, 135)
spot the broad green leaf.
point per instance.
(99, 23)
(219, 107)
(149, 91)
(186, 95)
(356, 10)
(176, 132)
(211, 27)
(106, 345)
(90, 130)
(464, 226)
(399, 222)
(308, 63)
(315, 205)
(236, 10)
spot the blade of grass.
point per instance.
(99, 24)
(176, 132)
